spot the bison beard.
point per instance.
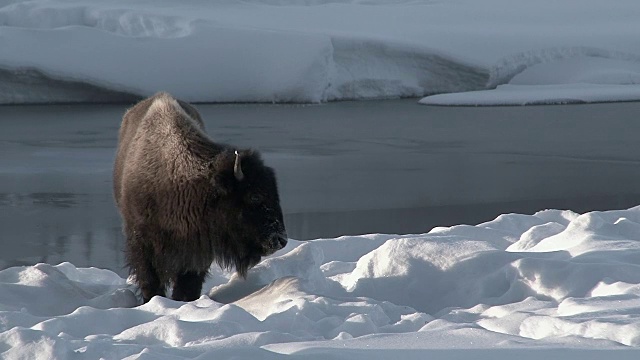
(187, 201)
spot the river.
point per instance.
(344, 168)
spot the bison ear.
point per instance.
(226, 171)
(224, 181)
(220, 185)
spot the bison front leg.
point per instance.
(149, 282)
(188, 285)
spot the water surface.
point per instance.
(343, 168)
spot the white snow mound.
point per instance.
(520, 282)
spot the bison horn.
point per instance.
(237, 168)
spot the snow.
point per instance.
(553, 284)
(491, 52)
(565, 81)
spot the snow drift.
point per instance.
(520, 285)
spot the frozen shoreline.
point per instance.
(263, 51)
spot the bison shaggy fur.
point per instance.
(187, 201)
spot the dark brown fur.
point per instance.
(181, 204)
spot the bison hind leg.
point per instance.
(188, 285)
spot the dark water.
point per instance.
(343, 168)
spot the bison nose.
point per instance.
(275, 243)
(282, 242)
(278, 241)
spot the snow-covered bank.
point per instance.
(520, 285)
(575, 79)
(313, 51)
(538, 95)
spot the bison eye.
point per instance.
(256, 199)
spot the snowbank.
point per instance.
(317, 50)
(578, 79)
(520, 285)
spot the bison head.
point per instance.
(246, 206)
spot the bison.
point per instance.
(187, 201)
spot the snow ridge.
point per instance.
(124, 22)
(318, 69)
(369, 69)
